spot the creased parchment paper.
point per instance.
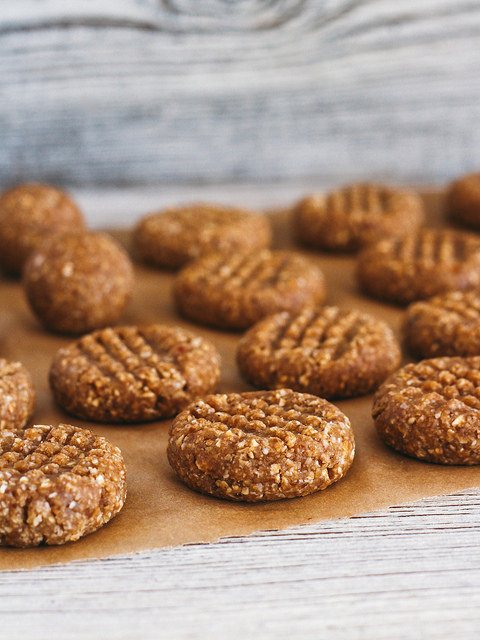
(160, 511)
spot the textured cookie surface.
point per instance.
(420, 266)
(57, 483)
(327, 351)
(463, 200)
(264, 445)
(446, 325)
(28, 214)
(235, 291)
(356, 215)
(173, 237)
(133, 374)
(431, 410)
(17, 396)
(76, 282)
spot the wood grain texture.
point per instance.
(412, 572)
(161, 91)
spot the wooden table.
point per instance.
(409, 572)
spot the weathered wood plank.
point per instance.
(139, 92)
(412, 572)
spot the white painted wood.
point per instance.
(411, 572)
(155, 92)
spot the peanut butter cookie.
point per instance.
(17, 396)
(57, 484)
(431, 410)
(420, 266)
(76, 282)
(463, 200)
(235, 291)
(133, 374)
(264, 445)
(172, 237)
(327, 351)
(447, 325)
(29, 213)
(356, 215)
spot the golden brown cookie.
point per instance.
(420, 266)
(133, 374)
(173, 237)
(76, 282)
(446, 325)
(235, 291)
(17, 396)
(28, 214)
(264, 445)
(431, 410)
(57, 484)
(353, 216)
(327, 351)
(463, 200)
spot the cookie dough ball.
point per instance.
(233, 291)
(28, 214)
(264, 445)
(17, 396)
(173, 237)
(431, 410)
(356, 215)
(57, 484)
(463, 200)
(327, 351)
(76, 282)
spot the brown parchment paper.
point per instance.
(160, 511)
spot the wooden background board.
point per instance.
(161, 91)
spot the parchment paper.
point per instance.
(159, 510)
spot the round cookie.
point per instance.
(431, 410)
(264, 445)
(463, 200)
(17, 396)
(133, 374)
(446, 325)
(173, 237)
(353, 216)
(235, 291)
(28, 214)
(76, 282)
(326, 351)
(57, 484)
(420, 266)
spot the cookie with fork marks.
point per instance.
(133, 374)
